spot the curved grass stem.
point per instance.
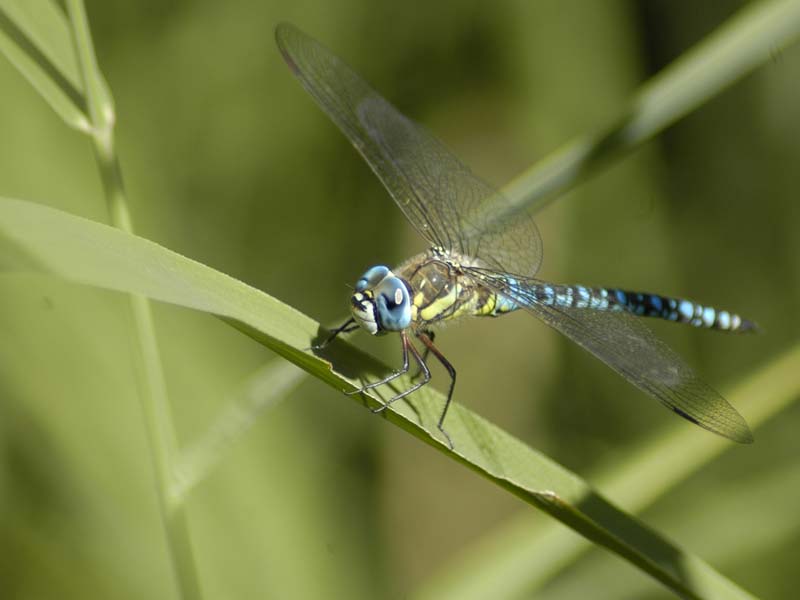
(150, 374)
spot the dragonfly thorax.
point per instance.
(381, 301)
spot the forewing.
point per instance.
(625, 344)
(444, 201)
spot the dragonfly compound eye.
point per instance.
(393, 304)
(372, 277)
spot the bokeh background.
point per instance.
(228, 161)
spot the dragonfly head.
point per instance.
(381, 301)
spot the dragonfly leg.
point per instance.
(425, 354)
(406, 344)
(428, 342)
(426, 374)
(346, 327)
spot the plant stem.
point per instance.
(150, 375)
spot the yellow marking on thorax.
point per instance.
(440, 305)
(454, 304)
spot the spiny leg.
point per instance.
(407, 347)
(426, 377)
(346, 327)
(428, 342)
(431, 335)
(405, 344)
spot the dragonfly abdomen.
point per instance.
(641, 304)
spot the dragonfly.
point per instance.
(483, 257)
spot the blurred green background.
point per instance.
(228, 161)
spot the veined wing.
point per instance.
(626, 345)
(448, 205)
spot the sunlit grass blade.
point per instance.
(44, 240)
(735, 501)
(750, 38)
(35, 38)
(523, 554)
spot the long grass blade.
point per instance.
(35, 38)
(752, 37)
(44, 240)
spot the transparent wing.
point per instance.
(448, 205)
(626, 345)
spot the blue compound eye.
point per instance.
(394, 304)
(371, 278)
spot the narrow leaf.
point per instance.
(747, 40)
(35, 38)
(39, 239)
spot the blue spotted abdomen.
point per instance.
(640, 304)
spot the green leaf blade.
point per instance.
(747, 40)
(35, 38)
(79, 250)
